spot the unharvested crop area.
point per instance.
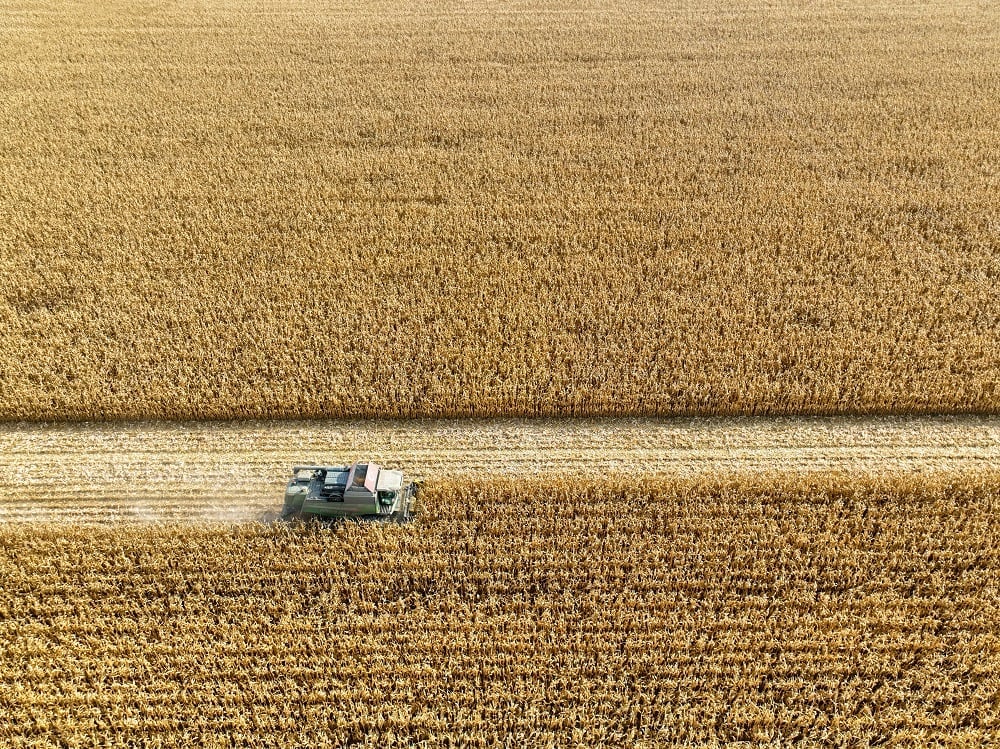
(305, 208)
(631, 613)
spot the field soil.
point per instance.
(236, 471)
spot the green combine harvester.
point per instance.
(362, 491)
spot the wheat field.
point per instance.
(650, 613)
(222, 209)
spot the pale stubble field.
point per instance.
(208, 471)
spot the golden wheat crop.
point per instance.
(820, 611)
(209, 209)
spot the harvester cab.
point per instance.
(365, 491)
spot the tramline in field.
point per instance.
(363, 491)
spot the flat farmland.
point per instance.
(578, 613)
(685, 313)
(328, 209)
(199, 471)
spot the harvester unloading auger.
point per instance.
(364, 491)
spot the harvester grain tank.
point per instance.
(364, 491)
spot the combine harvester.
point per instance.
(362, 491)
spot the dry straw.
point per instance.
(404, 209)
(827, 612)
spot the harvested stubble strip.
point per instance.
(645, 612)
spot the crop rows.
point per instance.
(830, 612)
(410, 208)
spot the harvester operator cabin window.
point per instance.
(360, 473)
